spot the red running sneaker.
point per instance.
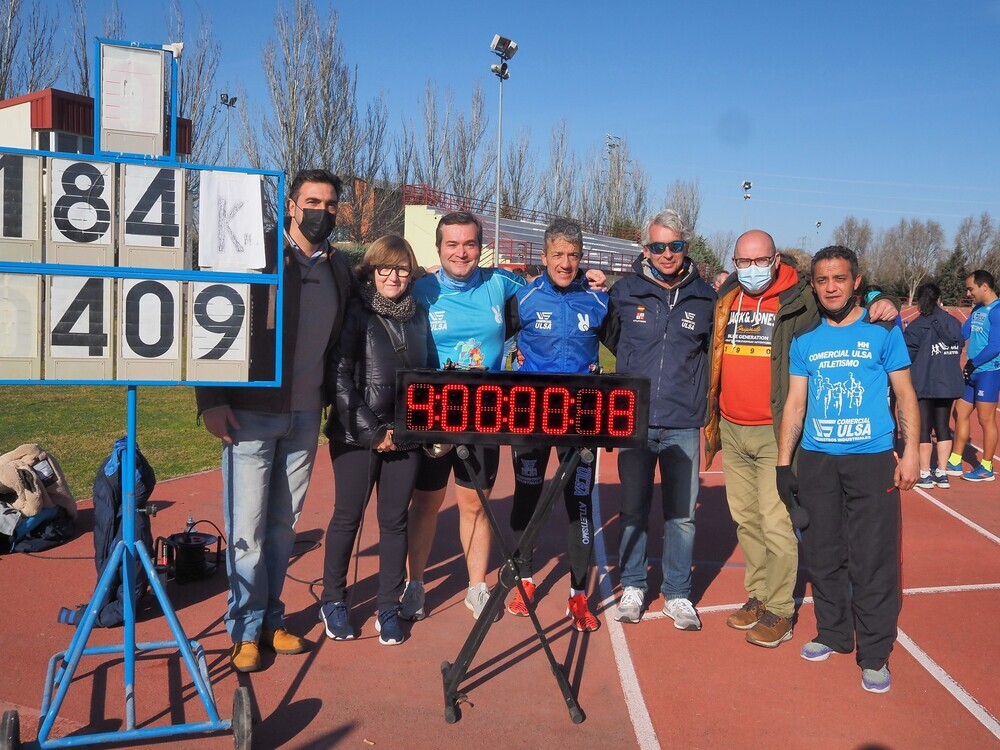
(517, 607)
(583, 618)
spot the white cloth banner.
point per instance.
(231, 221)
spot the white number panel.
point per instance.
(219, 338)
(20, 311)
(21, 209)
(149, 315)
(79, 329)
(152, 217)
(82, 196)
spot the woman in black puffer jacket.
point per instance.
(384, 331)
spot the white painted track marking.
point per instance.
(642, 724)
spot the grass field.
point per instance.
(79, 424)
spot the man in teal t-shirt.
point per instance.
(847, 477)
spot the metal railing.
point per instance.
(421, 195)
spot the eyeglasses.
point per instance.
(759, 262)
(677, 246)
(402, 272)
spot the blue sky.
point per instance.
(882, 110)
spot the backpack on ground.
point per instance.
(108, 527)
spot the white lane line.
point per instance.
(642, 724)
(948, 682)
(916, 591)
(971, 524)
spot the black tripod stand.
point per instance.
(453, 674)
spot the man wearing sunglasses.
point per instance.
(761, 307)
(661, 321)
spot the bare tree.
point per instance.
(685, 199)
(857, 235)
(913, 248)
(558, 184)
(336, 124)
(80, 80)
(429, 149)
(285, 135)
(114, 22)
(373, 205)
(471, 158)
(973, 238)
(197, 93)
(40, 59)
(9, 38)
(722, 244)
(520, 176)
(639, 195)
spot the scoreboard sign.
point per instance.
(93, 283)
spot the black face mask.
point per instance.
(316, 224)
(837, 316)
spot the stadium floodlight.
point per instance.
(503, 48)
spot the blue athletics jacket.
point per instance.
(560, 330)
(665, 334)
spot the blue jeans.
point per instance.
(677, 452)
(265, 475)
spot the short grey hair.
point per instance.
(566, 229)
(669, 219)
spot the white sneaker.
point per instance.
(476, 599)
(683, 613)
(630, 605)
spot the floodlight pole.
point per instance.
(228, 102)
(504, 49)
(496, 227)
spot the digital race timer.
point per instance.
(475, 407)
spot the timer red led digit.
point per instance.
(482, 407)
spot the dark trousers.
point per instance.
(529, 476)
(851, 549)
(355, 472)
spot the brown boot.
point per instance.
(280, 641)
(245, 657)
(771, 631)
(747, 616)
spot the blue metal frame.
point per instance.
(120, 272)
(62, 666)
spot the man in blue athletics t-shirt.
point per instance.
(982, 377)
(847, 477)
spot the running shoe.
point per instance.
(412, 605)
(979, 474)
(683, 613)
(583, 618)
(388, 629)
(876, 680)
(954, 470)
(630, 605)
(517, 607)
(816, 651)
(941, 480)
(334, 617)
(926, 482)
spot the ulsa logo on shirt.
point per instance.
(437, 321)
(688, 321)
(543, 321)
(497, 314)
(583, 321)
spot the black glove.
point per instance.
(788, 491)
(968, 370)
(788, 486)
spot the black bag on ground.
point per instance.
(108, 527)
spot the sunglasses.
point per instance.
(658, 248)
(385, 271)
